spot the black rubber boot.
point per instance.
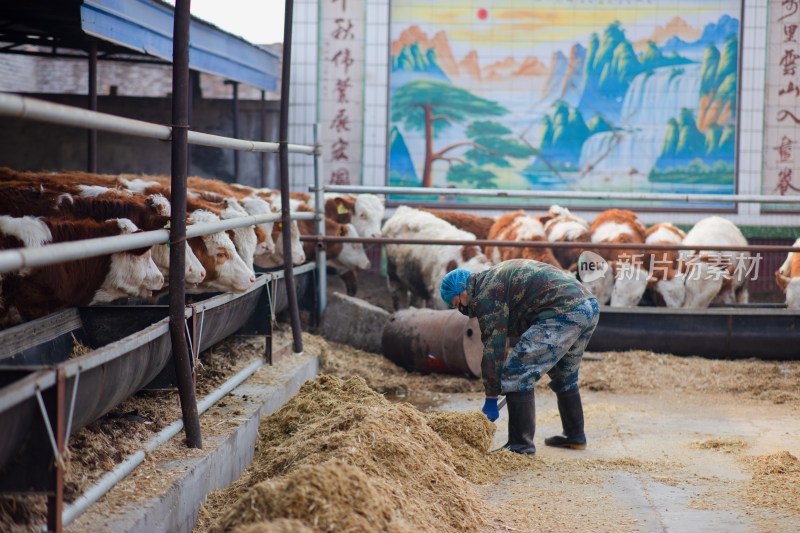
(521, 422)
(571, 411)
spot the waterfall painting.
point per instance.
(583, 95)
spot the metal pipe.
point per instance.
(91, 141)
(283, 156)
(262, 111)
(319, 202)
(55, 501)
(548, 244)
(573, 195)
(33, 109)
(177, 250)
(15, 259)
(105, 483)
(50, 254)
(235, 113)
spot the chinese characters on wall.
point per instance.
(781, 174)
(341, 86)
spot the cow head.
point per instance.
(131, 274)
(368, 215)
(244, 238)
(630, 282)
(257, 206)
(225, 269)
(352, 253)
(703, 282)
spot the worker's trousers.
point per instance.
(553, 346)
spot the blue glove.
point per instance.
(490, 409)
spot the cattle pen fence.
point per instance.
(321, 239)
(56, 380)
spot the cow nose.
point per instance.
(190, 270)
(252, 279)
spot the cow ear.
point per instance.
(341, 209)
(341, 232)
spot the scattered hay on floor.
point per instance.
(726, 445)
(642, 371)
(337, 439)
(775, 482)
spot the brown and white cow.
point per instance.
(788, 278)
(364, 211)
(417, 270)
(225, 269)
(518, 226)
(296, 250)
(36, 292)
(620, 226)
(715, 276)
(341, 256)
(560, 225)
(668, 284)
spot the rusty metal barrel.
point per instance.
(426, 340)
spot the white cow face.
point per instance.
(629, 285)
(703, 283)
(130, 276)
(602, 287)
(244, 239)
(368, 215)
(232, 274)
(352, 254)
(257, 206)
(673, 291)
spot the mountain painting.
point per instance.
(594, 95)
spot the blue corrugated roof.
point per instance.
(146, 26)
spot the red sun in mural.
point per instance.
(483, 14)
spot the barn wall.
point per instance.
(35, 146)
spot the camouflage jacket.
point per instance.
(508, 298)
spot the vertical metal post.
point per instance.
(177, 237)
(235, 85)
(263, 115)
(55, 501)
(319, 205)
(283, 155)
(91, 140)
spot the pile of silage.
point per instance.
(340, 457)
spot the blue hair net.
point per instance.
(453, 284)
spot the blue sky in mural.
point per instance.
(582, 95)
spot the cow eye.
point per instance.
(363, 215)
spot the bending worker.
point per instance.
(554, 316)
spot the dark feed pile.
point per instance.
(340, 457)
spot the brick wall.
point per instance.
(33, 74)
(36, 146)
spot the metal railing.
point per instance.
(573, 195)
(51, 254)
(26, 108)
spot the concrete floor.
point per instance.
(673, 484)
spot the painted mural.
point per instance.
(594, 95)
